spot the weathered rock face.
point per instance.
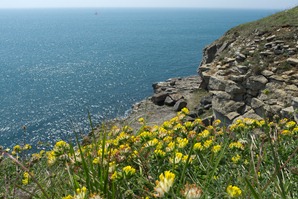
(252, 73)
(177, 93)
(295, 107)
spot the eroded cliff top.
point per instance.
(252, 71)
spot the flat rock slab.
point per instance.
(292, 61)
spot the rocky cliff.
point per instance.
(252, 71)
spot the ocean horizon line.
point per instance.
(149, 8)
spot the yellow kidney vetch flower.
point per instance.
(241, 125)
(237, 145)
(159, 153)
(124, 148)
(167, 125)
(35, 157)
(25, 179)
(61, 147)
(122, 136)
(129, 170)
(151, 143)
(167, 139)
(170, 147)
(27, 147)
(51, 158)
(290, 125)
(188, 125)
(236, 158)
(159, 145)
(180, 116)
(210, 128)
(234, 191)
(116, 175)
(96, 160)
(175, 120)
(295, 130)
(114, 152)
(219, 133)
(262, 123)
(198, 146)
(249, 121)
(146, 135)
(216, 148)
(17, 149)
(162, 132)
(185, 111)
(216, 122)
(286, 132)
(135, 154)
(181, 143)
(101, 152)
(81, 193)
(68, 197)
(185, 157)
(141, 120)
(204, 134)
(165, 182)
(177, 158)
(198, 121)
(208, 143)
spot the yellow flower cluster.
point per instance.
(80, 194)
(207, 143)
(61, 147)
(25, 179)
(37, 156)
(165, 182)
(18, 149)
(290, 125)
(216, 148)
(198, 146)
(237, 145)
(234, 191)
(236, 158)
(129, 171)
(246, 123)
(204, 134)
(159, 153)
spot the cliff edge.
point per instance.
(252, 70)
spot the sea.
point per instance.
(58, 65)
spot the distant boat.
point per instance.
(96, 13)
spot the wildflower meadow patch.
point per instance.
(178, 159)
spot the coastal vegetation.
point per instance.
(184, 157)
(178, 159)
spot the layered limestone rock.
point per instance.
(252, 71)
(179, 93)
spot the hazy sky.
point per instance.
(279, 4)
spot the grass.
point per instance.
(268, 24)
(179, 159)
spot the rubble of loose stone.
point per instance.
(173, 93)
(255, 76)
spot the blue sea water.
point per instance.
(56, 64)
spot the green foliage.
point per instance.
(266, 91)
(267, 24)
(178, 159)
